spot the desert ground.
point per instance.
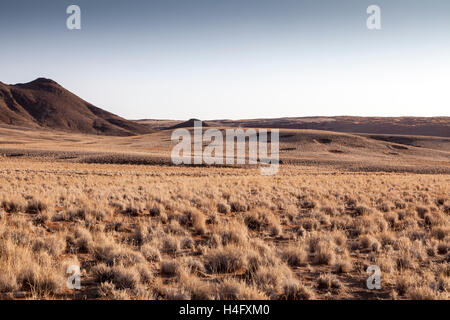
(140, 228)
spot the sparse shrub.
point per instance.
(402, 285)
(169, 268)
(442, 248)
(53, 245)
(293, 290)
(422, 293)
(268, 279)
(214, 241)
(308, 204)
(343, 265)
(187, 243)
(194, 265)
(140, 235)
(362, 210)
(233, 234)
(199, 290)
(11, 206)
(170, 244)
(328, 210)
(443, 283)
(225, 260)
(99, 215)
(125, 278)
(113, 254)
(231, 289)
(199, 222)
(421, 211)
(254, 221)
(386, 263)
(387, 238)
(196, 219)
(41, 218)
(440, 232)
(310, 224)
(33, 278)
(446, 209)
(8, 283)
(175, 228)
(108, 290)
(405, 261)
(102, 273)
(131, 211)
(76, 214)
(328, 281)
(391, 218)
(237, 206)
(83, 241)
(150, 253)
(400, 204)
(340, 239)
(155, 211)
(35, 207)
(176, 294)
(417, 235)
(223, 208)
(324, 254)
(259, 221)
(294, 256)
(369, 242)
(384, 207)
(275, 228)
(431, 252)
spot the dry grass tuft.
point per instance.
(225, 260)
(293, 290)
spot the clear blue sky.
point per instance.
(235, 58)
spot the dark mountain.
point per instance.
(44, 103)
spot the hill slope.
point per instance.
(44, 103)
(423, 126)
(418, 126)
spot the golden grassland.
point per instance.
(160, 232)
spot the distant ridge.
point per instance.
(420, 126)
(424, 126)
(44, 103)
(188, 124)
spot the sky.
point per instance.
(235, 59)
